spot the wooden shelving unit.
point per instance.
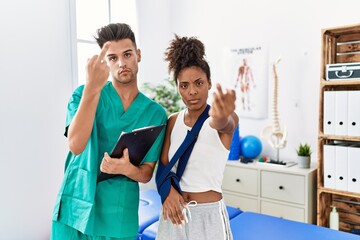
(347, 203)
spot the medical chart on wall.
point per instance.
(246, 71)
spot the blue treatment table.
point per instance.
(149, 212)
(253, 226)
(244, 225)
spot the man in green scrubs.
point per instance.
(98, 112)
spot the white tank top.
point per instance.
(205, 168)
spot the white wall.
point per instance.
(35, 81)
(290, 29)
(35, 85)
(154, 21)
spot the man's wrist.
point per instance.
(91, 91)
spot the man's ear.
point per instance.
(210, 84)
(139, 55)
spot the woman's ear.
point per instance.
(210, 84)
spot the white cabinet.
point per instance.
(242, 179)
(283, 187)
(286, 192)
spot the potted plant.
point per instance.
(304, 155)
(165, 94)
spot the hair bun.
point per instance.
(183, 52)
(186, 52)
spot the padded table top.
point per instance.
(255, 226)
(149, 208)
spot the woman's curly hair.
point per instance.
(186, 52)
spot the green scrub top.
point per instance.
(108, 208)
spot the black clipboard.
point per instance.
(138, 142)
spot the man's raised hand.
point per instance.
(97, 71)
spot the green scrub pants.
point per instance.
(61, 231)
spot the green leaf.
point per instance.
(165, 94)
(304, 150)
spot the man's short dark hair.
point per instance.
(114, 32)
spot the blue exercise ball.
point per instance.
(250, 146)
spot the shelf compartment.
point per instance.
(347, 205)
(352, 84)
(340, 45)
(339, 138)
(322, 189)
(334, 87)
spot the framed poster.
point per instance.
(246, 71)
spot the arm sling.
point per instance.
(165, 178)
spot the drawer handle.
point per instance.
(281, 187)
(237, 180)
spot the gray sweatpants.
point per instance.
(209, 221)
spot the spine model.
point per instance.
(273, 134)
